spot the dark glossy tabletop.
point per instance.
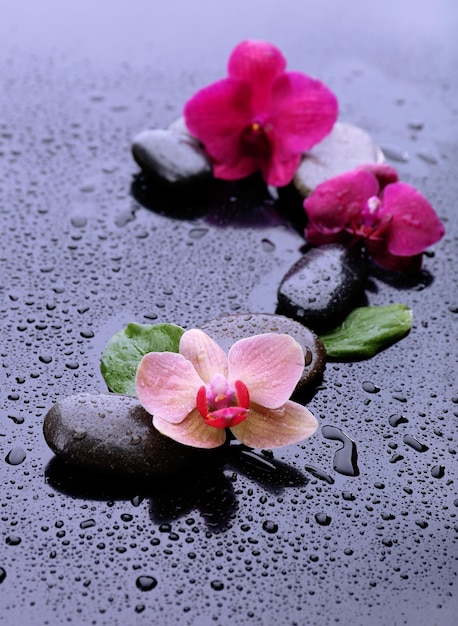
(85, 250)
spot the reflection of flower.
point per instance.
(393, 219)
(196, 394)
(260, 117)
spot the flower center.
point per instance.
(370, 223)
(221, 405)
(255, 141)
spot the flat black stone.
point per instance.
(324, 286)
(228, 329)
(113, 434)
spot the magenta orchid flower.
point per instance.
(369, 204)
(260, 117)
(194, 395)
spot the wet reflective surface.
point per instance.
(88, 246)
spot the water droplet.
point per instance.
(45, 358)
(438, 471)
(87, 524)
(146, 583)
(2, 574)
(370, 387)
(267, 245)
(13, 540)
(411, 441)
(322, 519)
(320, 474)
(217, 585)
(269, 526)
(427, 157)
(394, 153)
(198, 233)
(79, 435)
(397, 419)
(346, 458)
(15, 456)
(17, 419)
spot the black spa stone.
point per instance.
(323, 287)
(113, 434)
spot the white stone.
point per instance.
(344, 149)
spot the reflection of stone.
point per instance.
(323, 287)
(230, 328)
(344, 149)
(113, 433)
(172, 156)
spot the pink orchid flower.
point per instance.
(260, 117)
(194, 395)
(369, 204)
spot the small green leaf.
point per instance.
(125, 350)
(367, 330)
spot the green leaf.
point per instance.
(125, 350)
(367, 330)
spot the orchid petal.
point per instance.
(268, 428)
(279, 173)
(332, 204)
(207, 357)
(384, 173)
(217, 115)
(270, 365)
(192, 431)
(304, 111)
(167, 385)
(414, 225)
(257, 63)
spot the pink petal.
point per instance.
(207, 357)
(257, 63)
(304, 111)
(217, 115)
(192, 431)
(270, 365)
(279, 173)
(414, 225)
(167, 385)
(380, 254)
(332, 205)
(384, 173)
(268, 428)
(242, 167)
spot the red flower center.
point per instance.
(222, 406)
(255, 141)
(371, 223)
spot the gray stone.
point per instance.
(230, 328)
(345, 148)
(112, 433)
(174, 157)
(324, 286)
